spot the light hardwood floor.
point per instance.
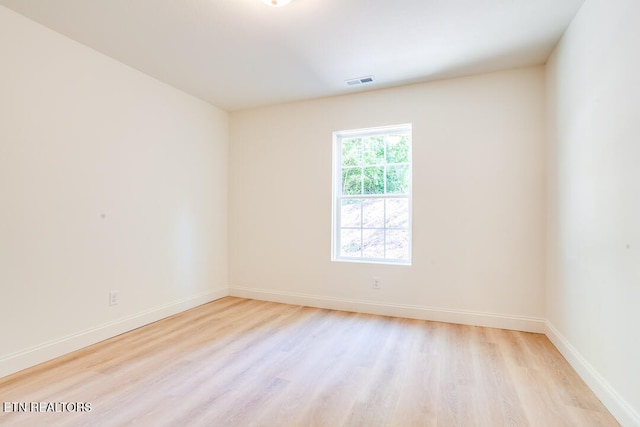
(239, 362)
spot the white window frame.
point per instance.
(338, 196)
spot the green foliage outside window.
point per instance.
(369, 162)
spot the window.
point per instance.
(372, 195)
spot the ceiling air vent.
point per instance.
(360, 81)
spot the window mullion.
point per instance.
(384, 171)
(361, 231)
(384, 230)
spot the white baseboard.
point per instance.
(518, 323)
(618, 407)
(49, 350)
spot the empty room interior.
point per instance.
(321, 212)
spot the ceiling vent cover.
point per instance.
(360, 80)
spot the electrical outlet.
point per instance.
(113, 298)
(376, 283)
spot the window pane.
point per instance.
(373, 213)
(350, 213)
(373, 150)
(350, 243)
(397, 244)
(397, 148)
(374, 180)
(373, 243)
(351, 151)
(398, 179)
(351, 181)
(397, 213)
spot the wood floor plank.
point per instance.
(239, 362)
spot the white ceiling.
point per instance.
(238, 54)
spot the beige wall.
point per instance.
(478, 210)
(593, 291)
(82, 135)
